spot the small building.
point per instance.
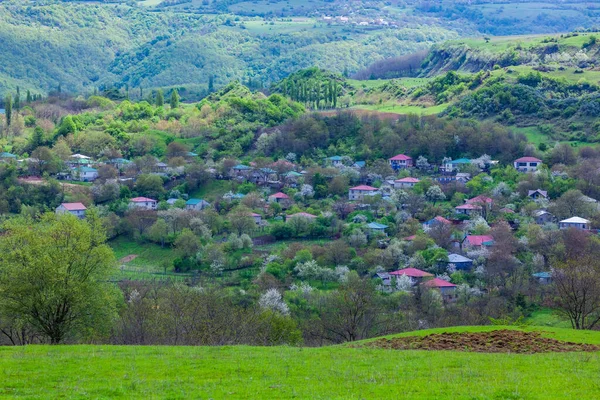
(359, 192)
(359, 164)
(455, 165)
(468, 209)
(196, 204)
(118, 163)
(143, 202)
(415, 274)
(527, 164)
(279, 197)
(543, 217)
(545, 278)
(574, 222)
(477, 241)
(437, 221)
(335, 161)
(377, 228)
(407, 182)
(446, 288)
(84, 174)
(386, 280)
(537, 194)
(257, 218)
(7, 157)
(481, 200)
(461, 263)
(77, 209)
(400, 161)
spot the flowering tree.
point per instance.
(272, 300)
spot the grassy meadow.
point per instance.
(336, 372)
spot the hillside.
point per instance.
(289, 372)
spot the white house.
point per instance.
(359, 192)
(143, 202)
(84, 174)
(527, 164)
(574, 222)
(77, 209)
(407, 182)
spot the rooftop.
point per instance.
(412, 272)
(74, 206)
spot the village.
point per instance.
(416, 207)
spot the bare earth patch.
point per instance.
(500, 341)
(128, 258)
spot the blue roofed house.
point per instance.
(377, 228)
(6, 157)
(543, 277)
(335, 161)
(84, 174)
(196, 204)
(460, 262)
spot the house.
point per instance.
(279, 197)
(477, 241)
(481, 200)
(436, 222)
(574, 222)
(468, 209)
(196, 204)
(302, 215)
(257, 218)
(408, 182)
(359, 192)
(6, 157)
(544, 278)
(537, 194)
(460, 262)
(386, 280)
(455, 165)
(527, 164)
(359, 164)
(446, 288)
(335, 161)
(84, 174)
(415, 274)
(77, 209)
(118, 163)
(377, 228)
(143, 202)
(160, 167)
(241, 170)
(172, 201)
(543, 217)
(400, 161)
(463, 177)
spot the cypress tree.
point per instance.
(211, 84)
(17, 102)
(160, 98)
(28, 98)
(8, 109)
(174, 98)
(37, 139)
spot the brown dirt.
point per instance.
(128, 258)
(500, 341)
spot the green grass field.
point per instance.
(403, 109)
(338, 372)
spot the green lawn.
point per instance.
(213, 190)
(404, 109)
(339, 372)
(547, 317)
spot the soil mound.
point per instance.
(500, 341)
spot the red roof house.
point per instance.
(438, 283)
(77, 209)
(527, 164)
(412, 272)
(479, 240)
(400, 161)
(359, 192)
(481, 199)
(278, 197)
(406, 182)
(468, 209)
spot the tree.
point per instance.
(159, 232)
(54, 275)
(149, 185)
(241, 220)
(435, 194)
(8, 109)
(37, 138)
(211, 84)
(187, 244)
(577, 284)
(160, 98)
(174, 98)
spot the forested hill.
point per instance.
(85, 46)
(82, 46)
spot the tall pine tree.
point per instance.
(8, 109)
(160, 98)
(174, 98)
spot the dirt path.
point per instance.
(128, 258)
(500, 341)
